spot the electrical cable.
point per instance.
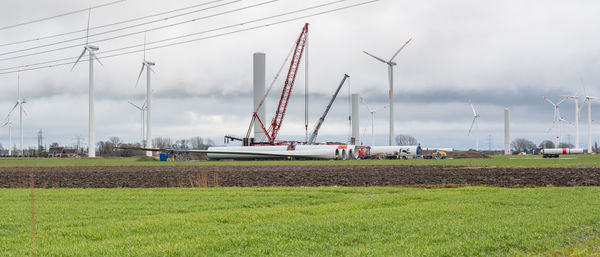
(132, 26)
(187, 35)
(59, 15)
(108, 25)
(203, 38)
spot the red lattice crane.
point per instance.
(275, 126)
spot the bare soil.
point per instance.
(309, 176)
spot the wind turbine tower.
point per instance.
(90, 49)
(475, 119)
(148, 65)
(391, 65)
(20, 102)
(576, 99)
(588, 99)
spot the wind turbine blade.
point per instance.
(134, 105)
(546, 98)
(78, 59)
(5, 124)
(95, 57)
(583, 85)
(472, 123)
(87, 30)
(397, 52)
(560, 102)
(381, 60)
(14, 107)
(140, 75)
(25, 111)
(472, 108)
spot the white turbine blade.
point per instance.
(152, 70)
(134, 105)
(472, 108)
(381, 60)
(560, 102)
(5, 124)
(397, 52)
(14, 107)
(552, 103)
(145, 102)
(553, 125)
(472, 123)
(79, 58)
(140, 75)
(583, 85)
(25, 111)
(95, 57)
(87, 30)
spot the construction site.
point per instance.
(274, 127)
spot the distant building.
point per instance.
(62, 152)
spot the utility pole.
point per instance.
(40, 138)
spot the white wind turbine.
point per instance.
(148, 65)
(557, 118)
(577, 110)
(90, 49)
(372, 112)
(476, 123)
(9, 124)
(20, 102)
(588, 99)
(143, 112)
(391, 65)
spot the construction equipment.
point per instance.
(322, 119)
(275, 126)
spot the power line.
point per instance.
(203, 38)
(128, 27)
(60, 15)
(110, 24)
(183, 36)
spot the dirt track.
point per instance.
(246, 176)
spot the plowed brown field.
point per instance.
(310, 176)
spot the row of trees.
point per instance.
(527, 146)
(108, 147)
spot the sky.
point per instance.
(499, 54)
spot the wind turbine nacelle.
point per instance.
(392, 63)
(93, 48)
(150, 63)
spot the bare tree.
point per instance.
(198, 143)
(547, 144)
(522, 145)
(162, 142)
(565, 145)
(406, 140)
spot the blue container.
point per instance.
(163, 157)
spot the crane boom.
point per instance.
(322, 119)
(275, 125)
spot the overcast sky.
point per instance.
(499, 54)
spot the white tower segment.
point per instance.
(576, 99)
(588, 99)
(259, 81)
(506, 132)
(391, 65)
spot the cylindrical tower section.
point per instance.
(355, 120)
(259, 64)
(506, 133)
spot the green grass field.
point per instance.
(495, 161)
(331, 221)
